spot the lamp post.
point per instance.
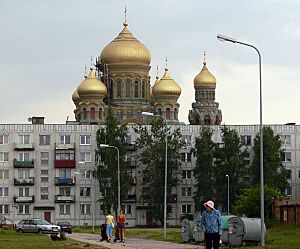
(119, 186)
(166, 171)
(228, 201)
(233, 40)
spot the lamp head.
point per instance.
(227, 175)
(76, 173)
(103, 146)
(221, 37)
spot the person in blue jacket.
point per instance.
(212, 226)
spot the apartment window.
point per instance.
(65, 209)
(3, 191)
(186, 209)
(85, 140)
(44, 193)
(169, 209)
(85, 157)
(3, 139)
(86, 174)
(186, 174)
(85, 208)
(246, 140)
(289, 174)
(44, 172)
(187, 140)
(128, 209)
(64, 173)
(287, 157)
(186, 157)
(23, 209)
(23, 192)
(44, 139)
(186, 191)
(65, 155)
(4, 208)
(44, 190)
(24, 156)
(65, 139)
(65, 191)
(45, 158)
(4, 156)
(44, 179)
(285, 139)
(288, 191)
(3, 173)
(85, 191)
(24, 139)
(23, 173)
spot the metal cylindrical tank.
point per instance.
(243, 230)
(187, 230)
(198, 233)
(224, 236)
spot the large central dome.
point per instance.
(125, 49)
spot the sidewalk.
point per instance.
(131, 243)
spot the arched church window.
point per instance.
(207, 120)
(143, 89)
(136, 89)
(79, 117)
(168, 113)
(100, 114)
(110, 88)
(176, 114)
(128, 83)
(92, 113)
(84, 114)
(119, 89)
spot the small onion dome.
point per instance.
(75, 97)
(91, 86)
(125, 49)
(205, 78)
(166, 87)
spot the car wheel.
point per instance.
(20, 231)
(40, 231)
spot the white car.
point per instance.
(37, 226)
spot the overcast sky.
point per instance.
(44, 46)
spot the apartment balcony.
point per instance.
(24, 199)
(65, 198)
(23, 164)
(24, 182)
(64, 181)
(23, 147)
(64, 146)
(131, 198)
(64, 163)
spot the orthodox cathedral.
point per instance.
(121, 80)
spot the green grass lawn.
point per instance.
(9, 239)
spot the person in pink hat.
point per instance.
(212, 226)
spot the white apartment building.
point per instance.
(45, 171)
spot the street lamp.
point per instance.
(233, 40)
(166, 170)
(119, 186)
(228, 202)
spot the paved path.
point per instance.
(131, 243)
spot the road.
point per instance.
(131, 243)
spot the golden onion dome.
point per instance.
(204, 78)
(125, 49)
(75, 97)
(166, 86)
(91, 86)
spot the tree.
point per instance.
(230, 160)
(203, 171)
(248, 202)
(151, 143)
(272, 161)
(112, 134)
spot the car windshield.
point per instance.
(42, 222)
(63, 223)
